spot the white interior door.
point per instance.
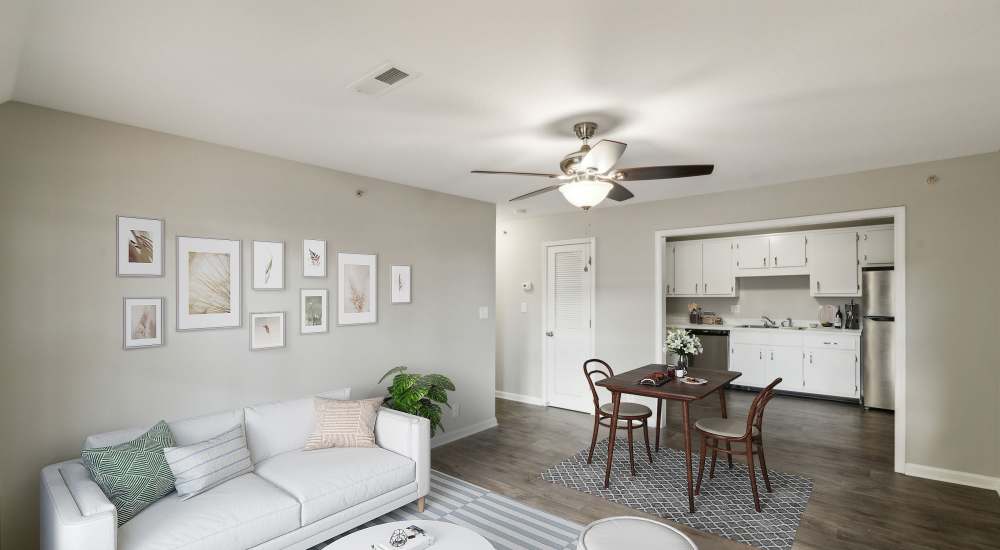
(568, 336)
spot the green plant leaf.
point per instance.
(439, 380)
(393, 370)
(437, 393)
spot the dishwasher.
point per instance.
(715, 356)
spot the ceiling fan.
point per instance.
(589, 174)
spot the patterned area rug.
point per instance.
(724, 507)
(507, 524)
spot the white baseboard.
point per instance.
(454, 435)
(520, 398)
(953, 476)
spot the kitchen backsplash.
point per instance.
(776, 297)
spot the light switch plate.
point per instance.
(734, 309)
(484, 312)
(524, 307)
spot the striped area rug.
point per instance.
(506, 523)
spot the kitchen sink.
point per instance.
(767, 326)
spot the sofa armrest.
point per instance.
(75, 513)
(409, 436)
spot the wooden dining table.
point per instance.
(674, 390)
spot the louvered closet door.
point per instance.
(568, 335)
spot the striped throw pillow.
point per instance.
(199, 467)
(343, 423)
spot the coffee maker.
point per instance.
(852, 316)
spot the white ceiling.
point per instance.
(770, 91)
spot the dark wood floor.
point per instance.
(857, 501)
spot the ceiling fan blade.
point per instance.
(619, 193)
(664, 172)
(515, 173)
(603, 156)
(535, 193)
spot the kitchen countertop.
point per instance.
(730, 327)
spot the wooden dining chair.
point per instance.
(632, 415)
(734, 430)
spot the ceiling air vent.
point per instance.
(384, 78)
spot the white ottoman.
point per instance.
(631, 533)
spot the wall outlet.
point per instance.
(734, 309)
(456, 408)
(484, 312)
(524, 307)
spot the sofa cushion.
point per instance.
(240, 513)
(199, 467)
(133, 474)
(330, 480)
(187, 431)
(282, 426)
(342, 423)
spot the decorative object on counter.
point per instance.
(313, 258)
(827, 314)
(838, 319)
(683, 344)
(139, 246)
(711, 318)
(418, 394)
(852, 316)
(694, 313)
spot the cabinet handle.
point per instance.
(810, 358)
(696, 288)
(866, 257)
(817, 286)
(775, 260)
(668, 289)
(760, 355)
(706, 288)
(763, 261)
(772, 356)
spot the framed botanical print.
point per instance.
(267, 330)
(139, 247)
(313, 258)
(209, 289)
(357, 299)
(268, 260)
(142, 323)
(314, 311)
(400, 286)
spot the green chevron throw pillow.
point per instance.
(134, 474)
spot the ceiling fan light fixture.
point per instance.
(585, 193)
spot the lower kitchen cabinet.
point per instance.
(785, 363)
(749, 360)
(831, 372)
(761, 364)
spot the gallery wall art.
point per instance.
(267, 330)
(268, 260)
(357, 299)
(139, 247)
(400, 284)
(209, 289)
(314, 311)
(142, 323)
(313, 258)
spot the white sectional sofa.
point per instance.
(293, 499)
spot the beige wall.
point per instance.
(953, 262)
(63, 178)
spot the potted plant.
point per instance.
(418, 394)
(683, 344)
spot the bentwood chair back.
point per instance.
(633, 415)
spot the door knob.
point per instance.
(549, 333)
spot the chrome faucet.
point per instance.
(768, 322)
(788, 323)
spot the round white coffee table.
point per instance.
(633, 533)
(447, 536)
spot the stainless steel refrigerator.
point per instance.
(878, 374)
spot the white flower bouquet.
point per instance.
(683, 343)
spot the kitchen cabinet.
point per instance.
(717, 268)
(748, 359)
(788, 250)
(753, 252)
(834, 269)
(669, 287)
(687, 268)
(831, 372)
(786, 363)
(877, 246)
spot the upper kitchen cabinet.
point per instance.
(834, 269)
(788, 250)
(877, 246)
(753, 253)
(669, 286)
(717, 268)
(687, 268)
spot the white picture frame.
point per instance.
(267, 330)
(142, 323)
(357, 297)
(314, 311)
(139, 246)
(268, 261)
(399, 284)
(209, 283)
(313, 258)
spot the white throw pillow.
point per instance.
(199, 467)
